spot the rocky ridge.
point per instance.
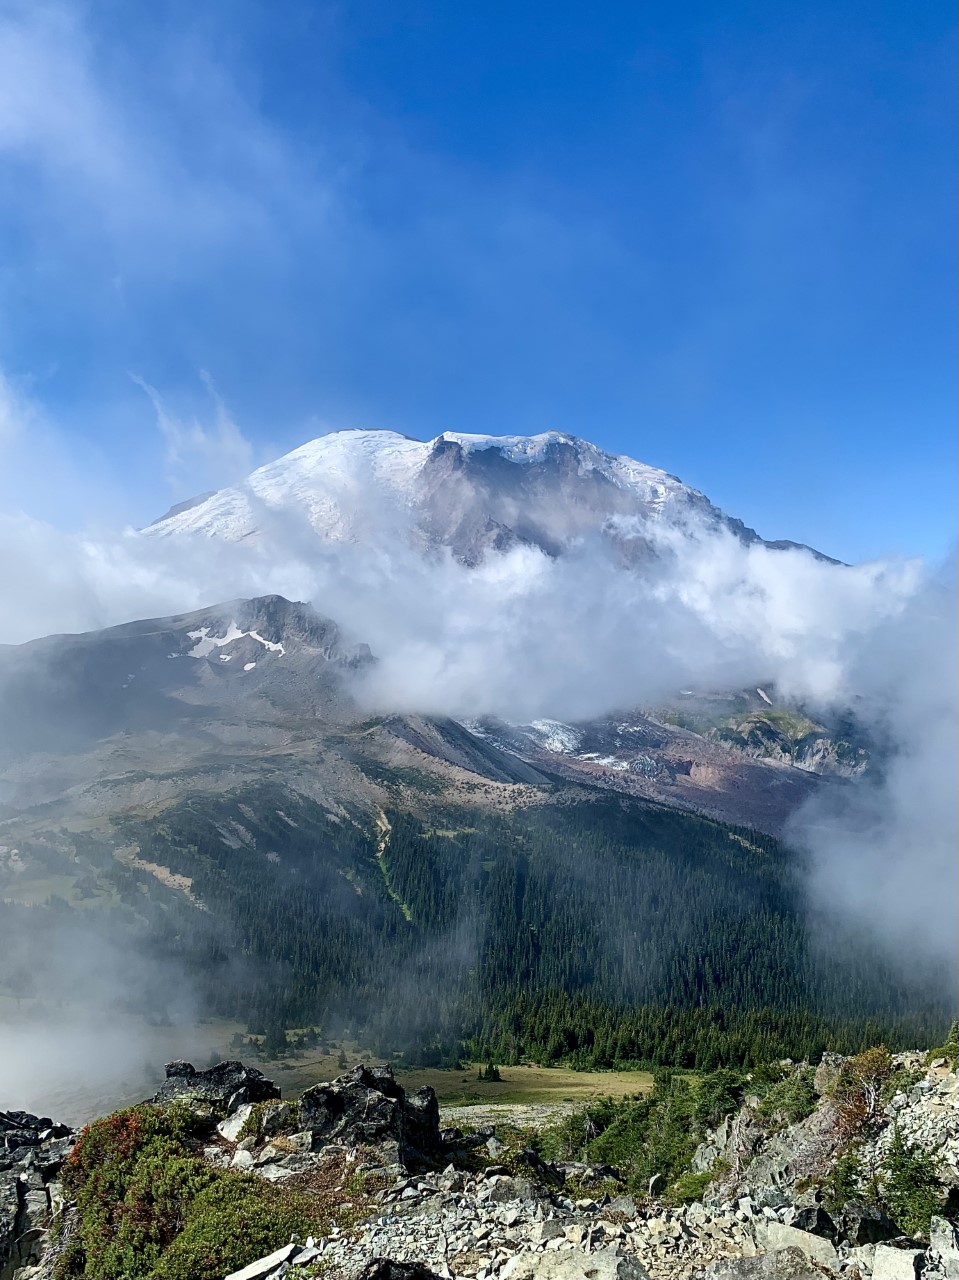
(421, 1201)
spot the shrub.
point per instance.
(690, 1186)
(133, 1176)
(716, 1096)
(148, 1206)
(844, 1182)
(234, 1221)
(791, 1099)
(859, 1090)
(910, 1186)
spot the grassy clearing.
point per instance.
(528, 1084)
(524, 1084)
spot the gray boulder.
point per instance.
(366, 1107)
(863, 1224)
(944, 1249)
(890, 1263)
(773, 1236)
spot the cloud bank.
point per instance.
(525, 635)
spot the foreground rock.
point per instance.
(32, 1149)
(415, 1202)
(368, 1108)
(217, 1091)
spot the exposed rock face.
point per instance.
(32, 1149)
(768, 1166)
(760, 1163)
(368, 1108)
(218, 1091)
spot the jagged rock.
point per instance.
(366, 1107)
(604, 1264)
(277, 1117)
(783, 1264)
(773, 1236)
(890, 1263)
(386, 1269)
(944, 1248)
(32, 1149)
(538, 1167)
(862, 1224)
(815, 1220)
(625, 1205)
(507, 1189)
(220, 1091)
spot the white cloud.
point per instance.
(198, 456)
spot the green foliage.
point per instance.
(490, 1073)
(718, 1094)
(690, 1186)
(149, 1206)
(134, 1176)
(845, 1180)
(790, 1099)
(234, 1221)
(910, 1186)
(649, 1137)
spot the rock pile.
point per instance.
(32, 1150)
(430, 1203)
(363, 1110)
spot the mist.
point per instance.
(525, 635)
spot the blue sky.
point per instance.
(717, 237)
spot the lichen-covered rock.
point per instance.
(219, 1091)
(943, 1254)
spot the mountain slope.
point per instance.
(472, 494)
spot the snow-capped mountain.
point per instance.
(471, 493)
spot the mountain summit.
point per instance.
(469, 493)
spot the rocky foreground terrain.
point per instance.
(395, 1196)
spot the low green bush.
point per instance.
(231, 1223)
(845, 1180)
(652, 1136)
(690, 1186)
(910, 1186)
(790, 1099)
(150, 1208)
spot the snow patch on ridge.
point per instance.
(205, 643)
